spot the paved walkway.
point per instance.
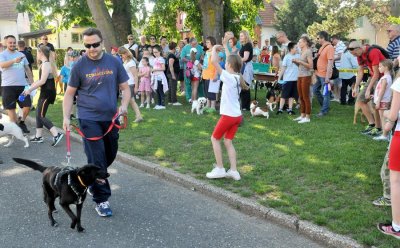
(148, 212)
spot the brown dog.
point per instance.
(70, 184)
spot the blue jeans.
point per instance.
(100, 152)
(324, 101)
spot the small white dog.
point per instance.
(258, 111)
(199, 105)
(14, 131)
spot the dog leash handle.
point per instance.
(68, 138)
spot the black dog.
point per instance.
(70, 184)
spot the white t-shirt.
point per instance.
(230, 104)
(158, 62)
(387, 96)
(195, 69)
(133, 48)
(396, 87)
(128, 65)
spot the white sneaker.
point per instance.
(298, 118)
(161, 107)
(177, 104)
(141, 105)
(148, 106)
(381, 137)
(152, 100)
(156, 107)
(216, 173)
(233, 174)
(304, 120)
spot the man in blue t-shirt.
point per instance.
(96, 79)
(14, 68)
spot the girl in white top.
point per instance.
(130, 68)
(393, 228)
(383, 94)
(231, 115)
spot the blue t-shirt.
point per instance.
(15, 74)
(292, 70)
(65, 71)
(97, 83)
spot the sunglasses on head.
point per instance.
(94, 45)
(352, 48)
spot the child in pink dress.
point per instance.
(145, 84)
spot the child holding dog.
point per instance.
(383, 94)
(231, 115)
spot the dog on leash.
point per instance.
(199, 105)
(13, 131)
(258, 111)
(70, 184)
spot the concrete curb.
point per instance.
(248, 206)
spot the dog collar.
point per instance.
(80, 180)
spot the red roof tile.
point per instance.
(268, 13)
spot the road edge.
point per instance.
(244, 205)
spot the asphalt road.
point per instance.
(148, 212)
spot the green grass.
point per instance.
(324, 171)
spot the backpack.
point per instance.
(383, 51)
(188, 72)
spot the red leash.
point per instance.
(113, 124)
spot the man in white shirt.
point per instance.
(340, 47)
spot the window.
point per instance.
(360, 22)
(76, 38)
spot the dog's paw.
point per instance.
(54, 224)
(26, 146)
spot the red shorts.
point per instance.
(394, 152)
(195, 79)
(226, 125)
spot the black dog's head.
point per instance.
(89, 173)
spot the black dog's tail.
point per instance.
(30, 164)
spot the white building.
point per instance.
(11, 22)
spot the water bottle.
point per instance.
(21, 97)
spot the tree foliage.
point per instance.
(238, 15)
(340, 16)
(70, 12)
(295, 16)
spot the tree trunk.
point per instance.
(103, 22)
(122, 18)
(212, 18)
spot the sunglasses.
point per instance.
(44, 39)
(130, 39)
(94, 45)
(353, 48)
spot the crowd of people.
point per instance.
(156, 73)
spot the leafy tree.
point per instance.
(295, 16)
(341, 15)
(204, 17)
(115, 30)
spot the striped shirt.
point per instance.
(394, 48)
(339, 49)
